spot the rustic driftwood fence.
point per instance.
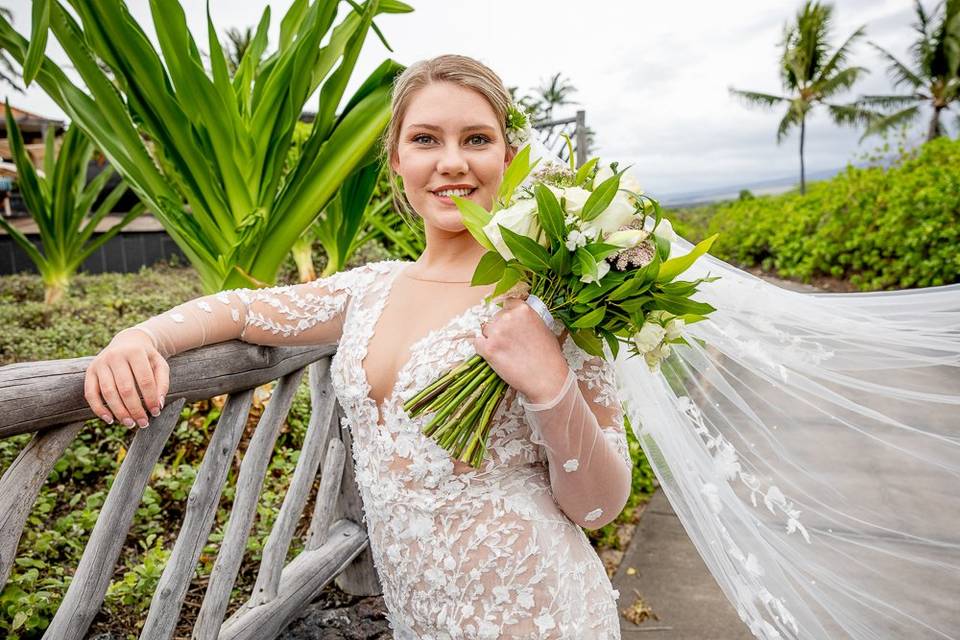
(46, 398)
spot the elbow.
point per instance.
(606, 513)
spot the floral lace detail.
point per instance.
(598, 376)
(462, 553)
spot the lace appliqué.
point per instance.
(483, 553)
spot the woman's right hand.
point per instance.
(130, 362)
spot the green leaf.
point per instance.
(612, 340)
(584, 172)
(588, 341)
(550, 213)
(38, 40)
(511, 276)
(489, 269)
(591, 319)
(516, 172)
(679, 305)
(675, 266)
(475, 218)
(586, 262)
(560, 261)
(529, 253)
(601, 197)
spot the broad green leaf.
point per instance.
(39, 28)
(679, 305)
(489, 269)
(588, 341)
(515, 173)
(591, 319)
(550, 214)
(529, 253)
(475, 218)
(675, 266)
(601, 197)
(584, 172)
(511, 276)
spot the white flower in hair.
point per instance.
(518, 127)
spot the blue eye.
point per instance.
(422, 135)
(482, 137)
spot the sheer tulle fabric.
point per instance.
(810, 447)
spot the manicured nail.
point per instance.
(155, 411)
(161, 401)
(128, 422)
(107, 419)
(142, 422)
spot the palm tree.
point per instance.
(934, 78)
(555, 94)
(811, 75)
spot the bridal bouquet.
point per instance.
(577, 242)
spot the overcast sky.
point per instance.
(652, 76)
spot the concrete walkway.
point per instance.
(673, 582)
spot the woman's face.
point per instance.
(449, 138)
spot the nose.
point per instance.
(452, 160)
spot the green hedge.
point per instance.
(878, 228)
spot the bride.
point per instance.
(807, 442)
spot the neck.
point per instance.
(448, 255)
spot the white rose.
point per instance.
(520, 217)
(626, 238)
(649, 337)
(603, 267)
(576, 197)
(627, 181)
(675, 328)
(665, 230)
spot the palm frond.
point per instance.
(840, 56)
(791, 118)
(890, 102)
(884, 123)
(898, 71)
(852, 114)
(754, 98)
(841, 81)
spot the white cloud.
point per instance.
(652, 77)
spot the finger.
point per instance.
(91, 392)
(129, 394)
(510, 303)
(146, 381)
(161, 371)
(108, 389)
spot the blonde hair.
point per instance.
(462, 71)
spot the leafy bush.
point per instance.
(878, 228)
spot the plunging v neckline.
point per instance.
(378, 310)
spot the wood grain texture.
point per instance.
(201, 512)
(89, 585)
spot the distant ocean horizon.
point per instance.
(770, 186)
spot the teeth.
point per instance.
(454, 192)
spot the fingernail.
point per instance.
(107, 419)
(142, 422)
(161, 401)
(155, 411)
(128, 422)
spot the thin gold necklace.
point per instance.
(444, 281)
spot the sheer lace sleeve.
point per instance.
(307, 313)
(582, 432)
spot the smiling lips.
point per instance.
(462, 192)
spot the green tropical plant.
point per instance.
(811, 75)
(59, 202)
(555, 93)
(177, 133)
(933, 80)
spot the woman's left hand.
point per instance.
(523, 351)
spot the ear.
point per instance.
(508, 156)
(394, 163)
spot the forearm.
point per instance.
(590, 479)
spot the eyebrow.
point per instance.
(472, 127)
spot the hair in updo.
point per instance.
(464, 71)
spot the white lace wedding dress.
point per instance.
(494, 552)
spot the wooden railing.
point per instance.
(46, 398)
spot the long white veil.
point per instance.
(810, 446)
